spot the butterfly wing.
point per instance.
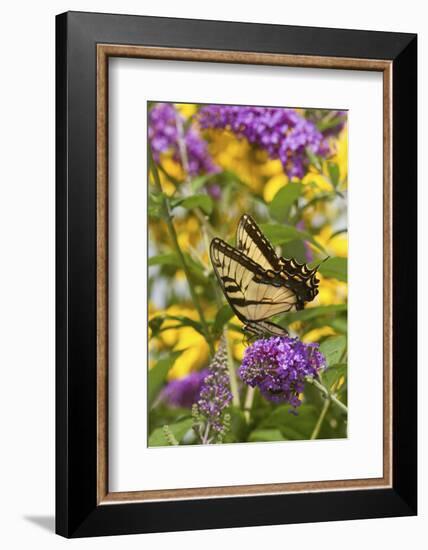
(251, 241)
(253, 293)
(263, 328)
(301, 278)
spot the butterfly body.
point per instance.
(258, 283)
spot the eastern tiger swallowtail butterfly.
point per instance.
(258, 283)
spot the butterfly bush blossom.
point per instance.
(184, 391)
(164, 137)
(210, 420)
(283, 133)
(279, 365)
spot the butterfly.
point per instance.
(258, 283)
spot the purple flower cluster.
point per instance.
(283, 133)
(184, 391)
(215, 394)
(164, 136)
(278, 366)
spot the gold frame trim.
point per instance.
(104, 51)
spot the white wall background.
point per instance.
(27, 271)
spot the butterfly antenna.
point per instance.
(321, 262)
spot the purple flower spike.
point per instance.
(163, 136)
(278, 366)
(283, 133)
(185, 391)
(215, 394)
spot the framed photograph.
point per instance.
(220, 362)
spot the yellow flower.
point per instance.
(172, 167)
(185, 338)
(273, 185)
(238, 156)
(271, 168)
(316, 334)
(336, 246)
(331, 292)
(188, 232)
(322, 179)
(194, 356)
(321, 182)
(295, 326)
(167, 186)
(341, 156)
(236, 339)
(186, 109)
(187, 228)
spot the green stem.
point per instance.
(182, 148)
(198, 212)
(232, 372)
(174, 238)
(327, 394)
(318, 425)
(248, 404)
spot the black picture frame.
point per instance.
(78, 513)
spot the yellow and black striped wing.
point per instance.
(253, 293)
(298, 277)
(251, 241)
(301, 278)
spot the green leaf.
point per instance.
(314, 159)
(296, 250)
(333, 374)
(163, 414)
(173, 260)
(281, 234)
(333, 348)
(313, 313)
(179, 430)
(334, 173)
(339, 324)
(156, 197)
(335, 268)
(157, 375)
(155, 208)
(266, 435)
(165, 259)
(323, 125)
(322, 197)
(338, 232)
(204, 202)
(182, 321)
(200, 181)
(284, 199)
(186, 322)
(292, 427)
(154, 211)
(224, 315)
(238, 426)
(155, 324)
